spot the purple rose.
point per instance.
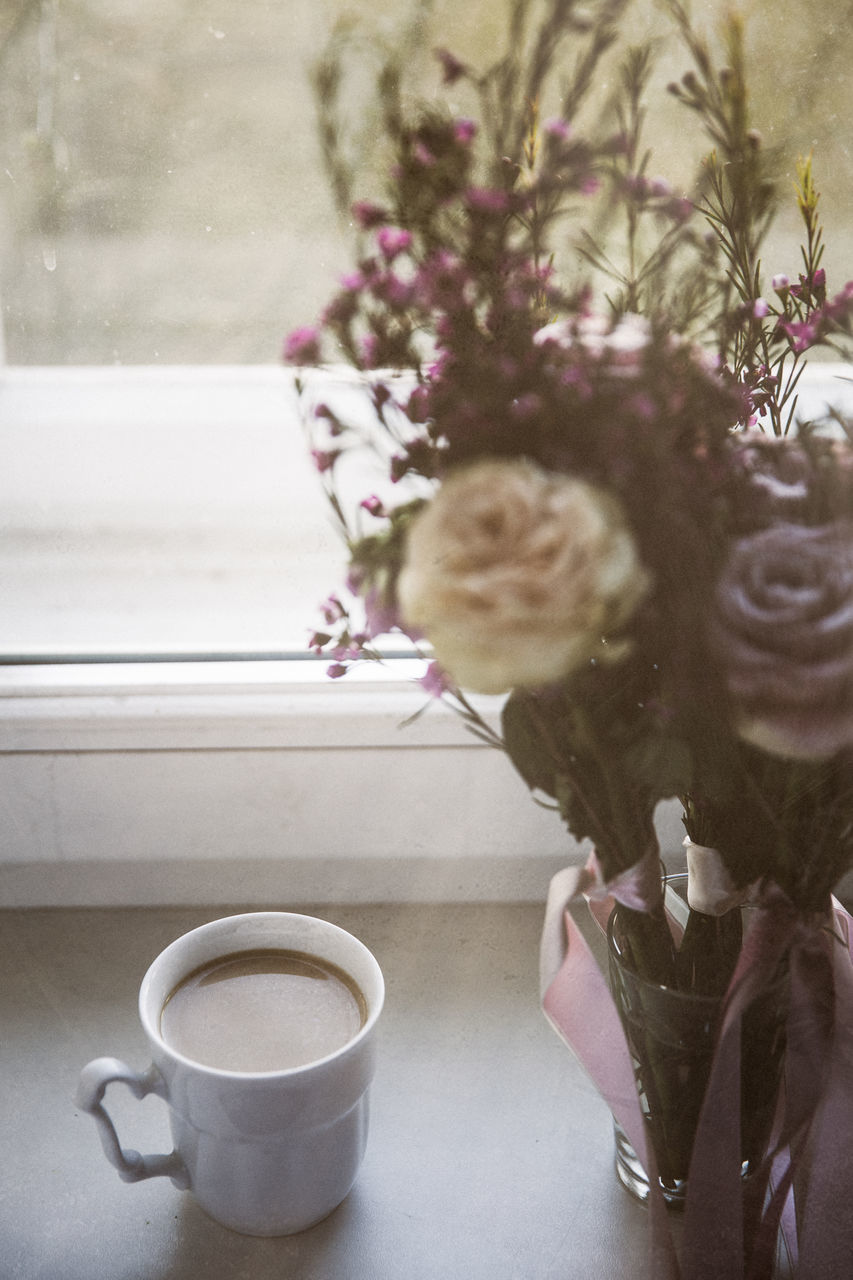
(783, 631)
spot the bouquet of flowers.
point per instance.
(597, 496)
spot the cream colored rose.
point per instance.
(516, 575)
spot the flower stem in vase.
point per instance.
(671, 1028)
(647, 944)
(709, 951)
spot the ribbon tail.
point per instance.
(714, 1228)
(826, 1222)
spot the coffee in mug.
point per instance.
(262, 1035)
(266, 1010)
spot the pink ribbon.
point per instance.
(576, 1000)
(638, 888)
(813, 1139)
(815, 1124)
(825, 1195)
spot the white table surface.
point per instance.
(490, 1155)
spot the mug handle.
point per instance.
(132, 1167)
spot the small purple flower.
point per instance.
(464, 131)
(679, 208)
(336, 669)
(396, 292)
(341, 309)
(373, 505)
(452, 68)
(781, 284)
(423, 155)
(348, 652)
(417, 406)
(325, 459)
(783, 632)
(839, 307)
(487, 199)
(332, 610)
(760, 309)
(393, 241)
(802, 334)
(352, 281)
(380, 614)
(368, 215)
(558, 128)
(302, 346)
(370, 347)
(434, 681)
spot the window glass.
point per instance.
(162, 197)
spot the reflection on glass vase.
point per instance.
(671, 1032)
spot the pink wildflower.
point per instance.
(434, 680)
(417, 406)
(333, 610)
(679, 208)
(325, 459)
(352, 281)
(397, 292)
(423, 155)
(487, 199)
(370, 350)
(373, 505)
(392, 241)
(302, 346)
(368, 215)
(801, 334)
(558, 128)
(452, 68)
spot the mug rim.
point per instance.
(152, 1027)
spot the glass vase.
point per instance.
(671, 1030)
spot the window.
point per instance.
(164, 221)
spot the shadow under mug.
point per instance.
(266, 1153)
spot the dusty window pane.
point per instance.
(161, 197)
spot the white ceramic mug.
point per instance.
(267, 1153)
